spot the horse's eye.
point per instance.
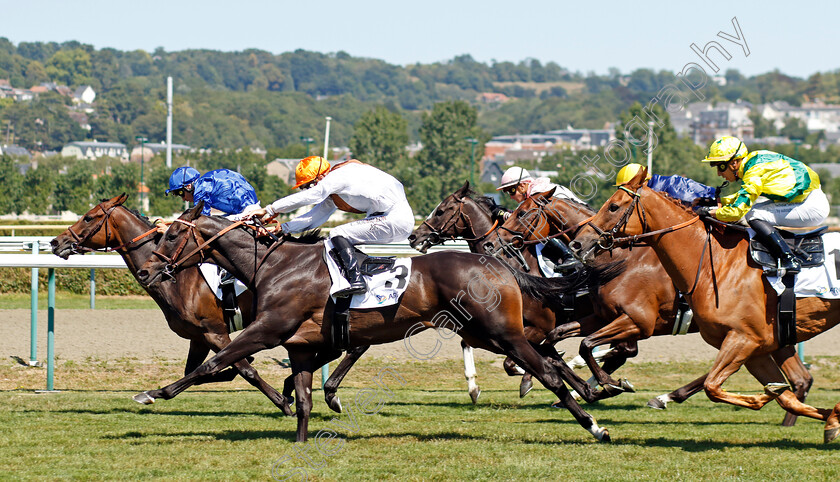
(88, 219)
(613, 207)
(171, 236)
(439, 213)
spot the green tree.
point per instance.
(12, 199)
(69, 67)
(446, 154)
(73, 191)
(380, 138)
(38, 186)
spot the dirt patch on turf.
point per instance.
(144, 334)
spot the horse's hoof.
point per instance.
(627, 386)
(143, 398)
(474, 394)
(525, 387)
(657, 404)
(335, 404)
(558, 404)
(776, 389)
(831, 434)
(603, 435)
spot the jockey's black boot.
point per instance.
(346, 255)
(771, 238)
(560, 255)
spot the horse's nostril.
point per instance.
(411, 238)
(575, 246)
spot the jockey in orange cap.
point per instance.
(352, 187)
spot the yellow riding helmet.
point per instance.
(629, 172)
(726, 149)
(309, 168)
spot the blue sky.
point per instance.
(581, 36)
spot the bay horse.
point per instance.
(476, 296)
(191, 310)
(464, 215)
(634, 306)
(733, 304)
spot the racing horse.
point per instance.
(191, 309)
(733, 303)
(636, 305)
(478, 297)
(464, 215)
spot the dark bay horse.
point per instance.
(464, 215)
(478, 297)
(734, 305)
(636, 305)
(191, 309)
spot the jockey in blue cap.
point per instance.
(222, 189)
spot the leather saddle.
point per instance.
(806, 246)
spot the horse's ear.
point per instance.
(549, 194)
(465, 188)
(122, 198)
(639, 179)
(194, 212)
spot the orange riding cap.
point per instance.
(309, 168)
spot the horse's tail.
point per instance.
(550, 291)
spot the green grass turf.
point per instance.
(420, 426)
(10, 301)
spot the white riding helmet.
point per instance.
(513, 176)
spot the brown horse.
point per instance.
(638, 304)
(464, 215)
(734, 305)
(191, 309)
(478, 297)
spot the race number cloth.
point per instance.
(819, 281)
(214, 278)
(383, 289)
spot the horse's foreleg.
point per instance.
(469, 371)
(546, 372)
(767, 372)
(246, 344)
(797, 374)
(735, 351)
(335, 378)
(622, 329)
(302, 367)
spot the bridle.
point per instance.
(518, 240)
(607, 239)
(76, 246)
(437, 237)
(173, 261)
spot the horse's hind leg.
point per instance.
(470, 372)
(335, 378)
(679, 395)
(303, 363)
(797, 374)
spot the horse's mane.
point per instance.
(579, 204)
(678, 202)
(308, 237)
(139, 216)
(486, 203)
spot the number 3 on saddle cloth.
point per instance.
(386, 279)
(819, 254)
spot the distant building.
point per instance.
(95, 150)
(492, 98)
(284, 169)
(817, 116)
(152, 148)
(84, 95)
(724, 119)
(15, 151)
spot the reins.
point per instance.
(78, 241)
(172, 263)
(453, 223)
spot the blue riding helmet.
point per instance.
(181, 177)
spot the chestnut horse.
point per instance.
(478, 297)
(191, 309)
(638, 304)
(734, 305)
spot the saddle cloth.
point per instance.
(817, 281)
(384, 287)
(213, 277)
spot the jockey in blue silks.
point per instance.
(221, 189)
(678, 187)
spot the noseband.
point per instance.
(76, 246)
(607, 239)
(173, 261)
(436, 237)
